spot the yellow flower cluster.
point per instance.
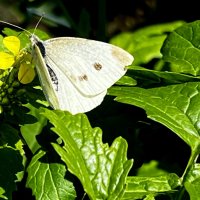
(12, 56)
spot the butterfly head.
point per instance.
(34, 39)
(36, 42)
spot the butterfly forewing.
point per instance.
(91, 66)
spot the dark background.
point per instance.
(105, 18)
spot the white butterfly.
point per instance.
(75, 73)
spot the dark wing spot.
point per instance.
(97, 66)
(53, 76)
(83, 78)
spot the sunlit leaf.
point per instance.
(182, 48)
(47, 179)
(101, 169)
(175, 106)
(141, 187)
(2, 191)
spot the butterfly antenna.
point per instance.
(38, 23)
(3, 22)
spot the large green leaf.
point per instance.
(139, 187)
(175, 106)
(47, 179)
(145, 43)
(101, 169)
(182, 48)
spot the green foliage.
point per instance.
(172, 98)
(182, 49)
(139, 187)
(51, 152)
(174, 106)
(47, 179)
(145, 43)
(101, 170)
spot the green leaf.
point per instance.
(101, 169)
(145, 44)
(182, 48)
(147, 78)
(149, 197)
(150, 169)
(9, 135)
(9, 32)
(192, 183)
(2, 191)
(175, 106)
(140, 187)
(126, 80)
(30, 131)
(41, 34)
(11, 164)
(47, 179)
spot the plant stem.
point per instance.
(189, 167)
(193, 158)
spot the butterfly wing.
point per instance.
(91, 66)
(75, 73)
(61, 94)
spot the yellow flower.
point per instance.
(7, 59)
(12, 44)
(26, 72)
